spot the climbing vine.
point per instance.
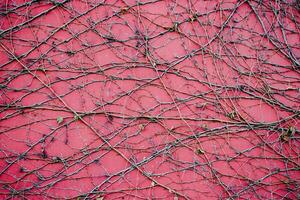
(149, 99)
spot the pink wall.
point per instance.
(150, 100)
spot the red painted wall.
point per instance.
(149, 99)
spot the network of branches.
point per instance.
(149, 99)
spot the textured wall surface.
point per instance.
(149, 99)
